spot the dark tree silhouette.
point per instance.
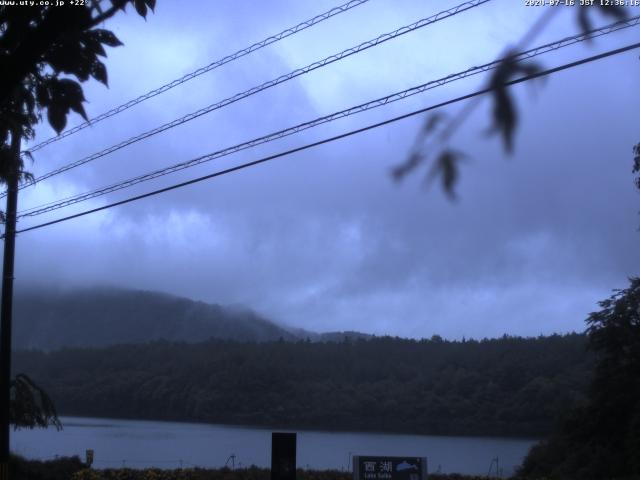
(45, 53)
(505, 386)
(40, 49)
(30, 405)
(601, 439)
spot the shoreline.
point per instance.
(240, 426)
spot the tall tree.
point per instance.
(46, 52)
(601, 439)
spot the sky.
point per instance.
(325, 239)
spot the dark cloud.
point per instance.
(325, 239)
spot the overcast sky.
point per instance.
(324, 239)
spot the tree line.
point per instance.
(509, 386)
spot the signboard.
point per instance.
(283, 456)
(389, 468)
(88, 457)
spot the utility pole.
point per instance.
(6, 303)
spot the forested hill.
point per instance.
(103, 316)
(507, 386)
(98, 317)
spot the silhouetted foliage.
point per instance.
(30, 406)
(601, 438)
(505, 116)
(63, 468)
(504, 112)
(251, 473)
(506, 386)
(617, 12)
(71, 468)
(41, 48)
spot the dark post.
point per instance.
(6, 306)
(283, 456)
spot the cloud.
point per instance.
(324, 239)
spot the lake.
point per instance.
(140, 444)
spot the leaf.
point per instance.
(141, 7)
(30, 405)
(121, 5)
(99, 72)
(584, 20)
(151, 4)
(27, 177)
(446, 166)
(62, 57)
(71, 96)
(505, 116)
(415, 159)
(29, 101)
(615, 11)
(42, 94)
(28, 154)
(431, 124)
(65, 94)
(93, 44)
(107, 37)
(57, 116)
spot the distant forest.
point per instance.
(509, 386)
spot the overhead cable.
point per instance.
(252, 91)
(61, 203)
(538, 74)
(196, 73)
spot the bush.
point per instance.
(61, 468)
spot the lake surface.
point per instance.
(140, 444)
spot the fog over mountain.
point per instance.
(325, 239)
(49, 319)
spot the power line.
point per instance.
(218, 63)
(283, 78)
(525, 78)
(567, 41)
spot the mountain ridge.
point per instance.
(50, 319)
